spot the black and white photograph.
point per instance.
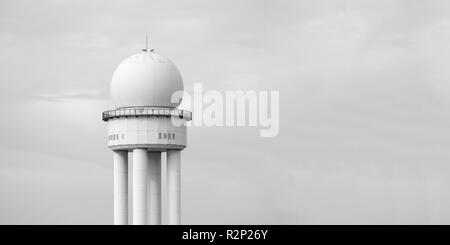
(224, 112)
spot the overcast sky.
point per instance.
(364, 108)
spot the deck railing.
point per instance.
(130, 112)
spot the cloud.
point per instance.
(73, 94)
(44, 189)
(88, 40)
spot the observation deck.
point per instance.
(146, 111)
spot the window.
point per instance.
(160, 135)
(173, 136)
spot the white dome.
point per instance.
(146, 79)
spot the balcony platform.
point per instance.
(146, 111)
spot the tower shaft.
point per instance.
(140, 164)
(120, 187)
(154, 187)
(174, 187)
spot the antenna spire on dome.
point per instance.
(146, 45)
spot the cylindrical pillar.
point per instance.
(154, 187)
(174, 187)
(140, 162)
(120, 187)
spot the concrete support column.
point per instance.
(154, 187)
(120, 187)
(174, 187)
(140, 162)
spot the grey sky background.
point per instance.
(364, 108)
